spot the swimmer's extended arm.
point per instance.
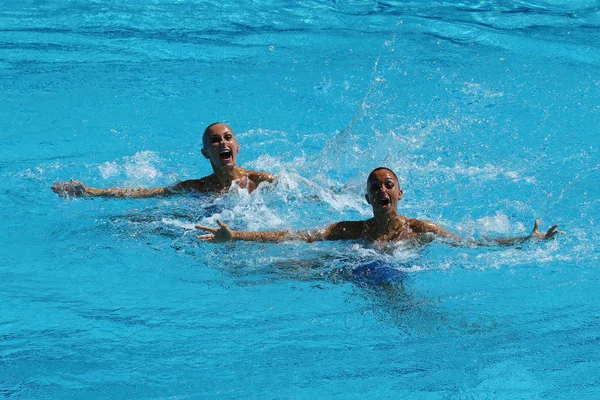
(336, 231)
(79, 189)
(433, 228)
(535, 234)
(226, 234)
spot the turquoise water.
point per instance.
(488, 112)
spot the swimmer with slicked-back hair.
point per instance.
(383, 194)
(219, 146)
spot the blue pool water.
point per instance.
(487, 110)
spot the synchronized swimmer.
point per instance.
(383, 194)
(220, 147)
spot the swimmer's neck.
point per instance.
(386, 223)
(223, 177)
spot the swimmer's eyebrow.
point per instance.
(212, 135)
(389, 178)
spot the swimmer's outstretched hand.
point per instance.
(550, 233)
(216, 235)
(70, 188)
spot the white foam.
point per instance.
(488, 172)
(108, 169)
(39, 171)
(266, 162)
(546, 253)
(179, 224)
(141, 166)
(138, 170)
(498, 224)
(476, 90)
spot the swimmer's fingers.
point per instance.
(216, 235)
(536, 228)
(550, 233)
(206, 237)
(78, 188)
(207, 228)
(58, 188)
(553, 231)
(70, 188)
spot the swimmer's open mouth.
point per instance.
(225, 154)
(384, 202)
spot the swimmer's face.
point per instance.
(220, 146)
(383, 191)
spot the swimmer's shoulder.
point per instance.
(347, 230)
(422, 225)
(191, 185)
(259, 177)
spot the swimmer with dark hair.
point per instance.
(220, 147)
(383, 194)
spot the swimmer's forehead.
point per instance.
(217, 129)
(381, 175)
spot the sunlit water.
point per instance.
(488, 111)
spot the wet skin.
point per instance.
(220, 147)
(383, 194)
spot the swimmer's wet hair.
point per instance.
(387, 169)
(213, 124)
